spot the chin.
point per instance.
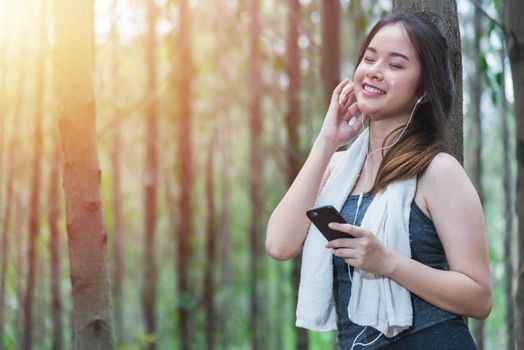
(365, 108)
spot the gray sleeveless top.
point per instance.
(425, 248)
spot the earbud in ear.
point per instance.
(421, 98)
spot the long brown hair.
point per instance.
(427, 134)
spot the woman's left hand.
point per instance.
(364, 251)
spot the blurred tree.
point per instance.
(514, 34)
(34, 202)
(255, 180)
(444, 15)
(209, 288)
(293, 149)
(87, 238)
(508, 205)
(330, 50)
(4, 243)
(150, 177)
(116, 152)
(53, 214)
(476, 168)
(185, 171)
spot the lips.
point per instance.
(372, 89)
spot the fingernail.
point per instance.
(331, 225)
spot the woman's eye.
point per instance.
(368, 59)
(397, 66)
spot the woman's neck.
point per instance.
(380, 129)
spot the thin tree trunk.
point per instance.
(6, 220)
(292, 122)
(209, 290)
(225, 219)
(151, 178)
(185, 171)
(19, 267)
(330, 51)
(255, 168)
(116, 150)
(34, 202)
(514, 31)
(54, 247)
(475, 134)
(444, 15)
(87, 238)
(508, 208)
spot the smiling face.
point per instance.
(387, 77)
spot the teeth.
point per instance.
(373, 90)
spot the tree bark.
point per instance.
(116, 150)
(475, 133)
(225, 227)
(255, 168)
(150, 178)
(54, 247)
(514, 32)
(330, 50)
(34, 202)
(87, 238)
(292, 122)
(508, 208)
(209, 290)
(444, 15)
(4, 244)
(184, 172)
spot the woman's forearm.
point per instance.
(288, 225)
(452, 291)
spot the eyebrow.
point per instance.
(393, 53)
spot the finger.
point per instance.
(353, 109)
(352, 230)
(339, 88)
(343, 243)
(346, 93)
(346, 253)
(359, 123)
(349, 99)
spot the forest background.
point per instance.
(204, 111)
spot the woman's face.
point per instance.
(387, 77)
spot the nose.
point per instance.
(374, 73)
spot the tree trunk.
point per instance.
(330, 51)
(19, 267)
(4, 244)
(225, 219)
(87, 238)
(292, 123)
(34, 202)
(209, 290)
(54, 247)
(255, 168)
(116, 150)
(151, 178)
(185, 172)
(508, 208)
(475, 134)
(514, 31)
(444, 15)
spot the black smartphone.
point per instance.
(322, 216)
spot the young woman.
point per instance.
(402, 85)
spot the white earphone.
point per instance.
(359, 202)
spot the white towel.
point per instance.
(375, 301)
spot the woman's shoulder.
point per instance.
(443, 181)
(444, 177)
(443, 170)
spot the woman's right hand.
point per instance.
(342, 108)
